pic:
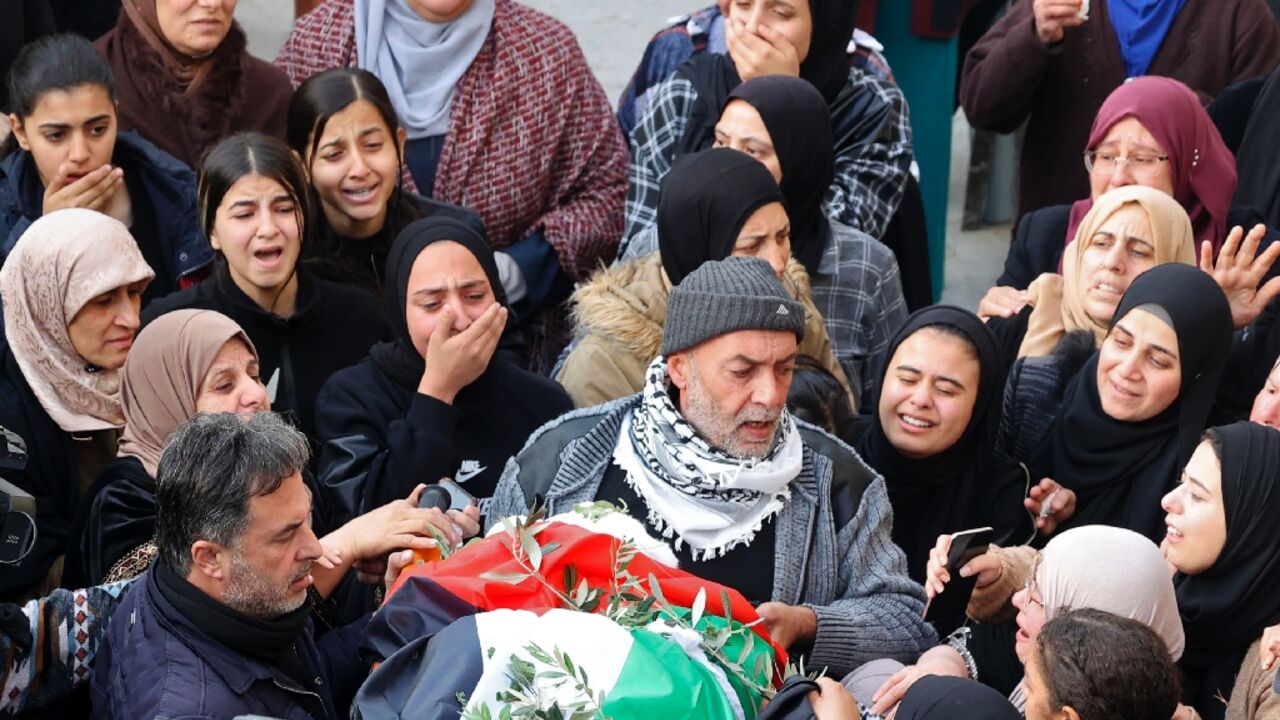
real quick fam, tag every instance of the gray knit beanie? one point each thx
(724, 296)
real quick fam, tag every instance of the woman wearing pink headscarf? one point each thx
(71, 290)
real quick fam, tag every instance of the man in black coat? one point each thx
(220, 625)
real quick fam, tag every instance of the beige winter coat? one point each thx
(1253, 697)
(621, 311)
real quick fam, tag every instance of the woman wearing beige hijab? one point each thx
(185, 362)
(1128, 231)
(71, 289)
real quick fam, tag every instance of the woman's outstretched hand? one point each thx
(1238, 270)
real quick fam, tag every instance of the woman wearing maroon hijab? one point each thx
(1150, 131)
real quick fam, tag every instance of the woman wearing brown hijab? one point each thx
(184, 79)
(71, 290)
(185, 362)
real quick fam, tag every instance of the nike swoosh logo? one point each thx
(464, 475)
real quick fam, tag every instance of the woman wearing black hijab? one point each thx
(929, 432)
(794, 117)
(716, 203)
(869, 119)
(438, 401)
(1222, 542)
(1118, 431)
(783, 122)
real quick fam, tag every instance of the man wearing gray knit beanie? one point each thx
(735, 318)
(707, 457)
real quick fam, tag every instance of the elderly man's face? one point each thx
(733, 388)
(271, 569)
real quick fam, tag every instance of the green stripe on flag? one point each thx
(753, 656)
(659, 680)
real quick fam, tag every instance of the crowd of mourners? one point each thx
(254, 310)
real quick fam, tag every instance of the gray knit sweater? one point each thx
(833, 551)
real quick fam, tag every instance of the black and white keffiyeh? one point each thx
(696, 493)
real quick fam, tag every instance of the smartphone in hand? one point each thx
(954, 598)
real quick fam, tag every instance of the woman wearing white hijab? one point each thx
(71, 290)
(1095, 566)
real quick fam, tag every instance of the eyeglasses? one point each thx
(1106, 162)
(1031, 592)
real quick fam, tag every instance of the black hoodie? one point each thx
(381, 437)
(361, 262)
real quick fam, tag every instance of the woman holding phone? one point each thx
(932, 431)
(1220, 556)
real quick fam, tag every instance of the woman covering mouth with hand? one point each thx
(441, 400)
(253, 203)
(67, 151)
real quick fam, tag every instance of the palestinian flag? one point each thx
(564, 614)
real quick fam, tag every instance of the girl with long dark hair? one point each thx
(344, 127)
(254, 207)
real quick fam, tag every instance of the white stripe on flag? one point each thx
(593, 641)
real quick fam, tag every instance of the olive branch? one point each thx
(629, 601)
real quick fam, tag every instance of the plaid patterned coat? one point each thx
(532, 141)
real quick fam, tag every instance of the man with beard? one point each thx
(220, 624)
(708, 457)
